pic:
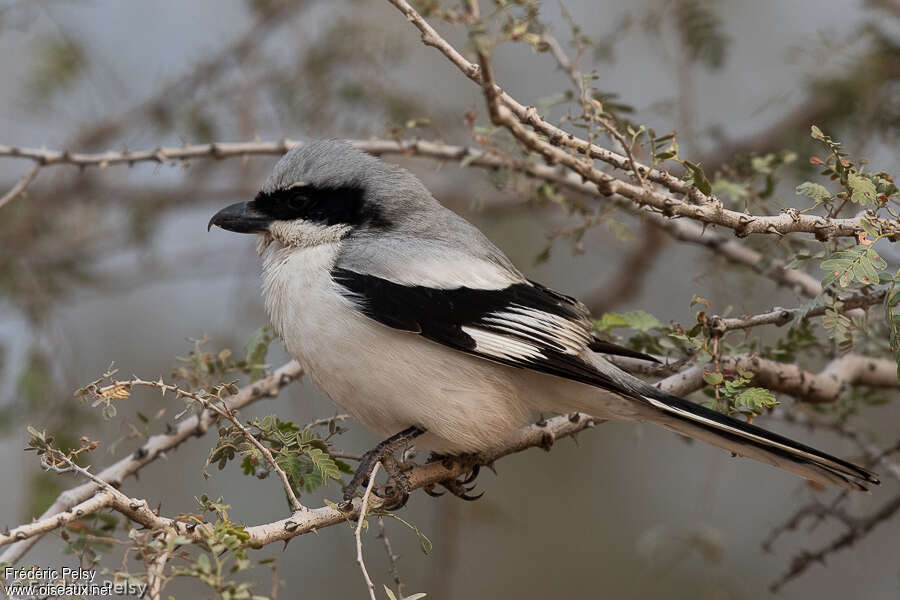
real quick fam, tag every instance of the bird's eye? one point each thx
(298, 202)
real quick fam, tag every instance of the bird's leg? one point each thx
(384, 452)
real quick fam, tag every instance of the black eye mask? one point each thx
(325, 206)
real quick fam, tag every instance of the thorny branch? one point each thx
(816, 512)
(224, 411)
(544, 434)
(555, 145)
(857, 528)
(680, 229)
(813, 388)
(82, 500)
(783, 316)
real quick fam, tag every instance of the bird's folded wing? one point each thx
(523, 325)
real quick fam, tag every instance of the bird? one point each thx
(409, 319)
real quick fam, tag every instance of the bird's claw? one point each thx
(459, 490)
(457, 487)
(472, 475)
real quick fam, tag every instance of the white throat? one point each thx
(306, 234)
(293, 278)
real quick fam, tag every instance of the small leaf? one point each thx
(699, 177)
(713, 378)
(610, 321)
(862, 188)
(755, 400)
(819, 193)
(640, 320)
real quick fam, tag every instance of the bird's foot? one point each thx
(459, 487)
(396, 490)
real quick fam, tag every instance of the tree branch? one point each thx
(814, 388)
(782, 316)
(156, 447)
(509, 113)
(358, 531)
(788, 378)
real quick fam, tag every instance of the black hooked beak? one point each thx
(241, 217)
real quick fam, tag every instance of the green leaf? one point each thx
(873, 230)
(862, 188)
(293, 467)
(755, 400)
(610, 321)
(699, 177)
(865, 272)
(324, 464)
(640, 320)
(203, 564)
(819, 193)
(256, 349)
(877, 262)
(713, 378)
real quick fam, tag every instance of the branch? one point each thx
(20, 186)
(848, 369)
(681, 229)
(359, 524)
(226, 412)
(814, 388)
(80, 498)
(392, 558)
(782, 316)
(857, 528)
(509, 113)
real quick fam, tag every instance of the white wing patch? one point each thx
(502, 346)
(561, 334)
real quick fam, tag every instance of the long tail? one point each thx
(748, 440)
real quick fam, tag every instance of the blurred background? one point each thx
(115, 264)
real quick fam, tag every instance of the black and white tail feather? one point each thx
(745, 439)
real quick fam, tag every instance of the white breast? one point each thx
(386, 378)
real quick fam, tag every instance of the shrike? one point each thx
(409, 319)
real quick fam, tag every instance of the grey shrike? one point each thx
(409, 319)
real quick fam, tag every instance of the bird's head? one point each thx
(323, 191)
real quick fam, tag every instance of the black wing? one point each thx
(524, 325)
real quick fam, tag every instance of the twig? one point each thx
(681, 229)
(156, 571)
(224, 411)
(858, 529)
(20, 186)
(541, 435)
(782, 316)
(83, 498)
(707, 209)
(574, 74)
(359, 524)
(821, 388)
(392, 558)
